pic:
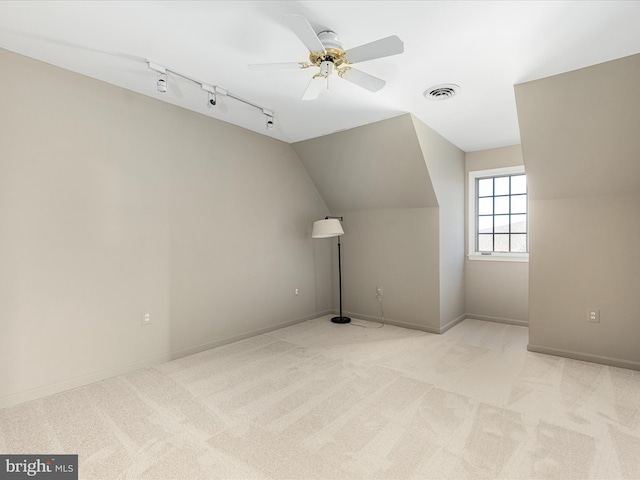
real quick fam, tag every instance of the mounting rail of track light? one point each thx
(212, 91)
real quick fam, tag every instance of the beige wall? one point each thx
(581, 151)
(495, 290)
(584, 256)
(445, 163)
(396, 249)
(401, 232)
(113, 204)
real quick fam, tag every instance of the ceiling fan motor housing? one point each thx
(328, 55)
(333, 51)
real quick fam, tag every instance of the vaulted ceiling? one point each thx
(484, 47)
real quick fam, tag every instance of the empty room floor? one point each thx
(320, 400)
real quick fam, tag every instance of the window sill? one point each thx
(523, 258)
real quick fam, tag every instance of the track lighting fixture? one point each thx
(212, 90)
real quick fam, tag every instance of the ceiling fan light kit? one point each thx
(326, 53)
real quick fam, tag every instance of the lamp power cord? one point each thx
(382, 319)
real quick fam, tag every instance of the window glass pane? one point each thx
(485, 206)
(518, 224)
(485, 224)
(501, 216)
(518, 184)
(502, 205)
(485, 187)
(502, 186)
(518, 204)
(519, 243)
(485, 243)
(501, 243)
(502, 223)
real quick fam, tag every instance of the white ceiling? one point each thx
(485, 47)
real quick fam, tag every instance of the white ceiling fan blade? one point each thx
(380, 48)
(364, 80)
(316, 85)
(305, 32)
(261, 67)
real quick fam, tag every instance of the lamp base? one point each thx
(340, 319)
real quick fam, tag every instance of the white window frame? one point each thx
(471, 227)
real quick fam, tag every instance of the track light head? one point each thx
(211, 94)
(162, 82)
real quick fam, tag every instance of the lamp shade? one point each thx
(329, 227)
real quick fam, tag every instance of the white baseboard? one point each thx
(322, 314)
(508, 321)
(46, 390)
(452, 323)
(585, 357)
(395, 323)
(442, 329)
(75, 382)
(411, 326)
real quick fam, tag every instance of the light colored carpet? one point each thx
(319, 400)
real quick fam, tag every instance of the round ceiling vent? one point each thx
(442, 92)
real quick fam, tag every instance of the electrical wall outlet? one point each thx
(296, 292)
(146, 318)
(593, 315)
(379, 291)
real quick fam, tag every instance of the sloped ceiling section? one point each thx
(439, 155)
(581, 131)
(377, 166)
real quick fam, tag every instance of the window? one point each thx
(498, 214)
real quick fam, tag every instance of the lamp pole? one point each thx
(327, 228)
(341, 318)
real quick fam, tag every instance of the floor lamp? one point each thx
(331, 227)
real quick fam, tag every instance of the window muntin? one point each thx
(501, 223)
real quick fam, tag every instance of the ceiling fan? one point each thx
(326, 52)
